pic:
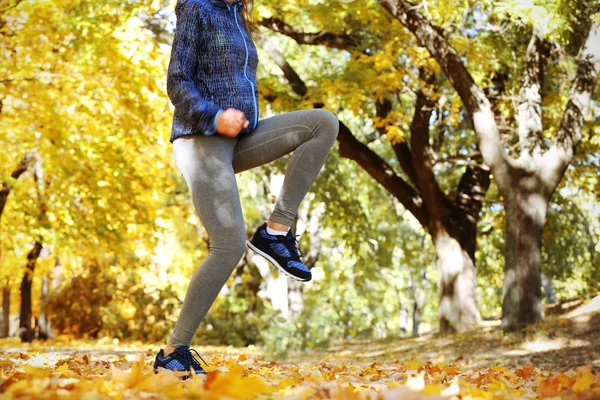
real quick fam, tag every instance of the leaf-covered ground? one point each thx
(560, 359)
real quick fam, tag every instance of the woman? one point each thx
(216, 134)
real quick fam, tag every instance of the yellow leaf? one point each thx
(413, 365)
(64, 369)
(583, 382)
(36, 371)
(433, 388)
(234, 385)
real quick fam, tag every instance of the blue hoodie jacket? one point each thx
(212, 67)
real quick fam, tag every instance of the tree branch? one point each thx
(433, 197)
(351, 148)
(569, 132)
(291, 75)
(339, 41)
(476, 103)
(17, 172)
(382, 108)
(529, 107)
(405, 159)
(9, 6)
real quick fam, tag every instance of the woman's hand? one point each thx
(230, 122)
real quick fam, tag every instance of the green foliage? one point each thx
(281, 336)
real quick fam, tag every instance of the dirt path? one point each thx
(562, 341)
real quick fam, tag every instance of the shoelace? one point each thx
(294, 244)
(190, 358)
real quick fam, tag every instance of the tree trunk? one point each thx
(43, 323)
(5, 189)
(522, 293)
(416, 320)
(458, 309)
(57, 274)
(5, 329)
(25, 330)
(403, 322)
(26, 333)
(418, 301)
(295, 298)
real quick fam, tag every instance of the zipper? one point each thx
(245, 62)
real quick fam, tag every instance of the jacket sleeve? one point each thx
(200, 112)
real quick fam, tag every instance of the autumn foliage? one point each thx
(41, 374)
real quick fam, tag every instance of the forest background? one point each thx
(453, 196)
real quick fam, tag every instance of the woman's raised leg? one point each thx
(310, 134)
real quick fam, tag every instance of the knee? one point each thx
(231, 248)
(329, 122)
(238, 248)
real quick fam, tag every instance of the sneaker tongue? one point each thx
(182, 349)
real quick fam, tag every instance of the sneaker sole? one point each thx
(269, 258)
(177, 373)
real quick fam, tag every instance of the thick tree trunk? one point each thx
(5, 329)
(25, 330)
(26, 333)
(457, 284)
(522, 294)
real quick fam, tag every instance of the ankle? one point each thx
(168, 350)
(277, 226)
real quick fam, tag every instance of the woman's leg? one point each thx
(206, 164)
(310, 134)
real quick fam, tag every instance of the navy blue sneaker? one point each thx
(282, 251)
(180, 362)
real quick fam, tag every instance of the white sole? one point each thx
(268, 257)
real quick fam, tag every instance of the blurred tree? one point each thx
(26, 331)
(5, 190)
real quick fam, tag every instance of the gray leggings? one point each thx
(209, 164)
